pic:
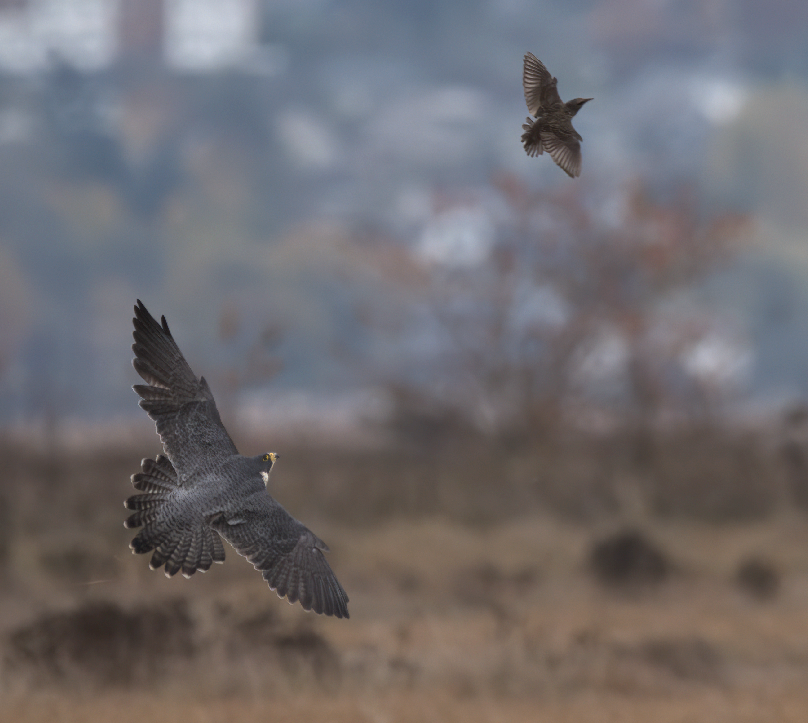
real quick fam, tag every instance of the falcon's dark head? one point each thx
(576, 104)
(265, 462)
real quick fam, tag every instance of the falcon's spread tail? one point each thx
(180, 542)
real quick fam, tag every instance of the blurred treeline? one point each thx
(563, 374)
(537, 347)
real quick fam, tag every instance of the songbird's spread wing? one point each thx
(539, 86)
(182, 406)
(565, 152)
(289, 555)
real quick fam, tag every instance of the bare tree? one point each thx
(566, 311)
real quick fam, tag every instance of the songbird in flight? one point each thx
(552, 129)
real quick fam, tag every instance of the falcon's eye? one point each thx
(266, 458)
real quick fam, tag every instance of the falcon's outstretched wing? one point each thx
(182, 406)
(539, 86)
(288, 553)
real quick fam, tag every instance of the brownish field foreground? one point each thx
(499, 619)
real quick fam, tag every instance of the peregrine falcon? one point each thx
(552, 129)
(202, 488)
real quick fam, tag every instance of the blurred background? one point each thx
(552, 412)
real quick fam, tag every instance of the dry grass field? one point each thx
(487, 614)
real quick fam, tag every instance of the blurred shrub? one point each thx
(758, 578)
(691, 659)
(102, 644)
(628, 559)
(298, 652)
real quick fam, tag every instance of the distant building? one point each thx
(141, 27)
(203, 35)
(90, 35)
(81, 33)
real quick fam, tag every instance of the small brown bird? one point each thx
(552, 130)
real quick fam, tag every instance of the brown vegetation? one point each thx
(628, 559)
(471, 590)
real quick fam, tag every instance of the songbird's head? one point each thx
(576, 104)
